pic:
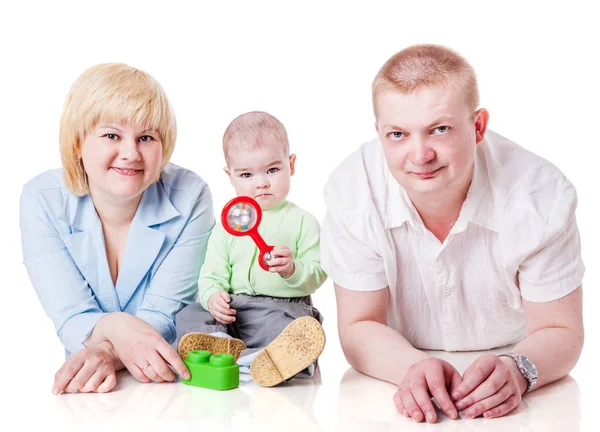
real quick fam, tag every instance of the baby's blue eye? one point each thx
(272, 170)
(245, 175)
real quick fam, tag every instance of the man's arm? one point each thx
(370, 346)
(554, 336)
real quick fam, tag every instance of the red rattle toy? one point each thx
(241, 216)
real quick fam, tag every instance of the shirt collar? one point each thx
(155, 208)
(478, 207)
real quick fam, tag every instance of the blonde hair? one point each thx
(115, 93)
(421, 66)
(254, 130)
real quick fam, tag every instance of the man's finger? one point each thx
(437, 388)
(490, 386)
(472, 378)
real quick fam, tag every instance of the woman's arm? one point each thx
(175, 283)
(63, 292)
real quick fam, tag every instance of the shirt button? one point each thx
(447, 293)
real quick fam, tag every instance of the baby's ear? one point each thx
(292, 164)
(228, 172)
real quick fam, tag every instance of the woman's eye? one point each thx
(111, 136)
(146, 138)
(272, 170)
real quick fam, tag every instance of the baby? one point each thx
(264, 318)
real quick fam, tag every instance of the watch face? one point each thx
(529, 367)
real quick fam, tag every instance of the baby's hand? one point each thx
(218, 306)
(282, 262)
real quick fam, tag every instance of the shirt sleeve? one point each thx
(348, 253)
(66, 297)
(308, 274)
(555, 268)
(215, 274)
(175, 283)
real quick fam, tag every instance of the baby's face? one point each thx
(263, 174)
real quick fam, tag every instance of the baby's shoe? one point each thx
(214, 344)
(298, 346)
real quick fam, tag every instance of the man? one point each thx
(441, 235)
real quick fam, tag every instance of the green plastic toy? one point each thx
(213, 371)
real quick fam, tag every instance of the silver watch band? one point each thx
(530, 377)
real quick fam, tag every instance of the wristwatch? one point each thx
(526, 367)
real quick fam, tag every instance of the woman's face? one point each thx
(121, 160)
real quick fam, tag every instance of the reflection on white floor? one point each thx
(337, 399)
(361, 404)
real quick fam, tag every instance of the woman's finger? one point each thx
(151, 373)
(136, 371)
(108, 384)
(161, 368)
(82, 377)
(94, 381)
(173, 359)
(66, 373)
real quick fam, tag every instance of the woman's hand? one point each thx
(491, 386)
(428, 378)
(141, 349)
(89, 370)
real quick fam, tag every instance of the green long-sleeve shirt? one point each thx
(231, 262)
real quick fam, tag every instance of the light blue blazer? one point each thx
(65, 255)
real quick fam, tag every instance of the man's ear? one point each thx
(482, 117)
(292, 164)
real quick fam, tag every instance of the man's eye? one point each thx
(441, 130)
(396, 135)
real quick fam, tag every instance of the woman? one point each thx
(113, 242)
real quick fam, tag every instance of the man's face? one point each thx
(429, 138)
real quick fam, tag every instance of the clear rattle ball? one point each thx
(242, 217)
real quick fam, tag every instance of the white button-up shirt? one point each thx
(516, 237)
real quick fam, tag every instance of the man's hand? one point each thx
(491, 386)
(427, 378)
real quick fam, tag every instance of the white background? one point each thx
(311, 65)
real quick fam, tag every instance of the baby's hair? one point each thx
(421, 66)
(253, 130)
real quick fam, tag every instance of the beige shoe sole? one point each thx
(298, 346)
(216, 345)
